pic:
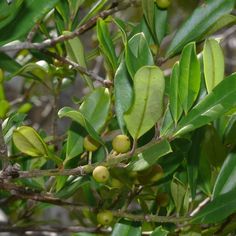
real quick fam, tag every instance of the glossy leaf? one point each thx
(175, 106)
(38, 70)
(224, 182)
(74, 145)
(126, 228)
(8, 64)
(193, 161)
(156, 19)
(8, 12)
(218, 209)
(106, 44)
(198, 23)
(28, 141)
(150, 156)
(213, 60)
(123, 94)
(211, 107)
(147, 108)
(159, 231)
(178, 191)
(96, 107)
(189, 77)
(213, 147)
(137, 50)
(79, 118)
(30, 13)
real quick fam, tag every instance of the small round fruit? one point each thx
(163, 199)
(121, 143)
(115, 183)
(163, 3)
(105, 217)
(101, 174)
(90, 144)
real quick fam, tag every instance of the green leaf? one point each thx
(93, 11)
(217, 210)
(30, 13)
(213, 60)
(159, 231)
(224, 182)
(74, 145)
(96, 107)
(175, 106)
(123, 94)
(178, 191)
(193, 161)
(106, 44)
(225, 20)
(150, 156)
(8, 12)
(156, 19)
(127, 228)
(211, 107)
(147, 108)
(28, 141)
(198, 23)
(38, 70)
(213, 147)
(8, 64)
(137, 54)
(189, 77)
(71, 187)
(79, 118)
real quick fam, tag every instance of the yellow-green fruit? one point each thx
(1, 75)
(163, 199)
(115, 183)
(90, 144)
(101, 174)
(105, 217)
(121, 143)
(4, 108)
(163, 3)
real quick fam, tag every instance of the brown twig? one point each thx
(3, 149)
(51, 42)
(55, 229)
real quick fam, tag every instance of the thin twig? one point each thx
(51, 42)
(3, 149)
(80, 170)
(55, 229)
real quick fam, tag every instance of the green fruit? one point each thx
(163, 199)
(115, 183)
(90, 144)
(101, 174)
(105, 217)
(121, 143)
(163, 3)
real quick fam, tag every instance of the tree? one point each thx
(147, 145)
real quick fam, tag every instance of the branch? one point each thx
(51, 42)
(111, 161)
(56, 229)
(3, 149)
(81, 69)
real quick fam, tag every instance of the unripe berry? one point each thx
(121, 143)
(105, 217)
(163, 3)
(90, 144)
(101, 174)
